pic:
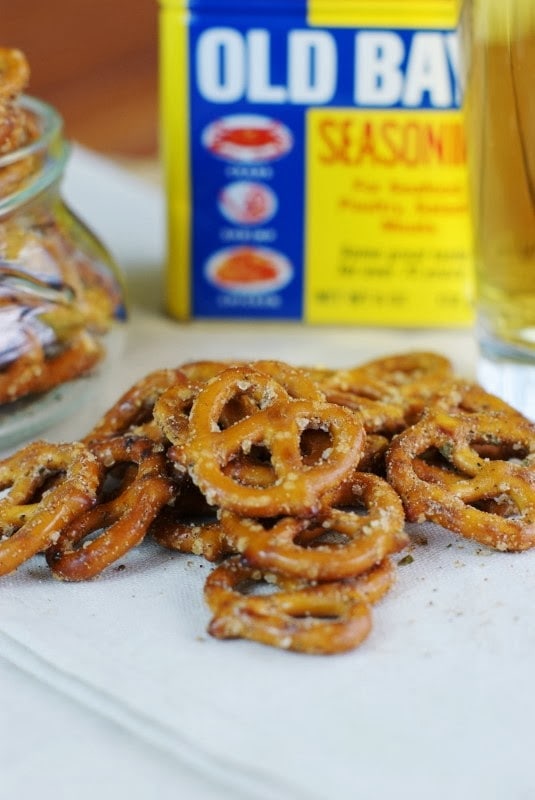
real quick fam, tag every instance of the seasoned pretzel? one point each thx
(323, 619)
(378, 416)
(353, 381)
(14, 72)
(49, 486)
(296, 381)
(202, 371)
(122, 520)
(200, 537)
(133, 411)
(34, 372)
(277, 424)
(470, 397)
(411, 373)
(65, 297)
(171, 413)
(172, 410)
(388, 376)
(373, 456)
(18, 127)
(297, 547)
(437, 468)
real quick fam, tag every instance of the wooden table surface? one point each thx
(96, 61)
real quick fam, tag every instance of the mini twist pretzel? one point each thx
(202, 371)
(390, 377)
(277, 424)
(172, 410)
(171, 414)
(411, 373)
(378, 416)
(123, 520)
(296, 547)
(323, 619)
(470, 397)
(455, 492)
(49, 486)
(34, 372)
(14, 72)
(198, 537)
(297, 382)
(133, 412)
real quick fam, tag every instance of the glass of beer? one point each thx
(499, 45)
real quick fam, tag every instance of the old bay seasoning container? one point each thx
(315, 161)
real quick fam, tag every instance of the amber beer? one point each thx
(501, 143)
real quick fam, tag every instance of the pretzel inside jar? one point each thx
(60, 292)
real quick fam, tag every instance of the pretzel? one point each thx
(297, 383)
(277, 424)
(171, 414)
(124, 519)
(204, 537)
(296, 546)
(373, 456)
(378, 416)
(437, 468)
(172, 410)
(470, 397)
(411, 373)
(65, 296)
(322, 619)
(14, 72)
(204, 370)
(49, 485)
(133, 411)
(374, 378)
(18, 126)
(35, 372)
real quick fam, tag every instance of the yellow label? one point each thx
(388, 233)
(384, 13)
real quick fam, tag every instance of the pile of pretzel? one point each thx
(294, 481)
(55, 304)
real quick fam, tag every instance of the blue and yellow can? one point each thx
(315, 161)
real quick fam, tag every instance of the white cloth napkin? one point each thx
(438, 702)
(438, 698)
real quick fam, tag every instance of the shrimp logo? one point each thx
(247, 203)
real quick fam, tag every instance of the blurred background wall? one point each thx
(96, 62)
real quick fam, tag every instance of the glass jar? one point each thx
(62, 308)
